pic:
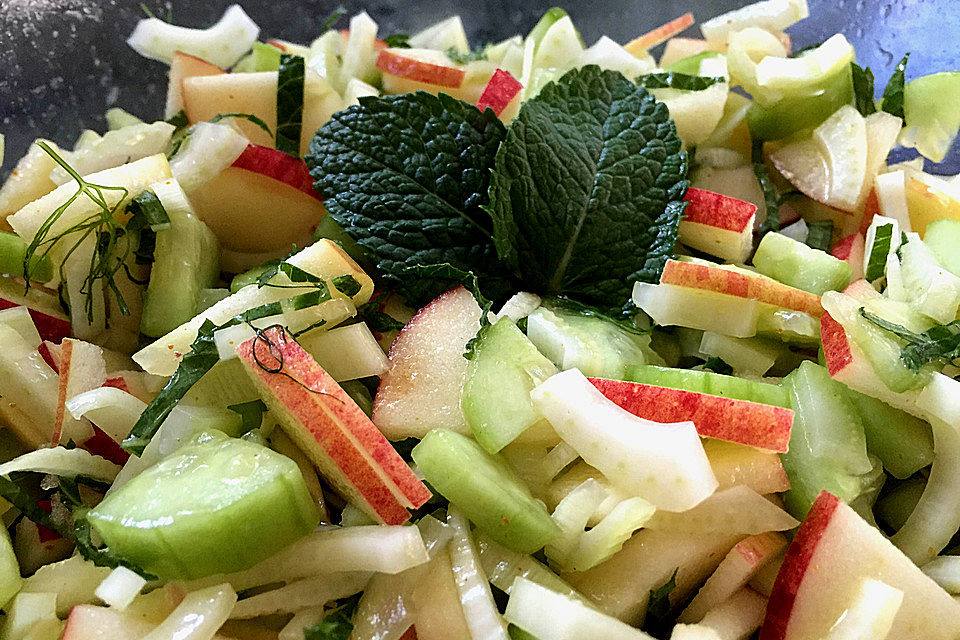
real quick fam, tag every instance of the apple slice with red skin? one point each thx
(717, 224)
(330, 428)
(421, 389)
(750, 423)
(397, 63)
(184, 66)
(639, 45)
(850, 249)
(263, 201)
(738, 283)
(81, 368)
(833, 550)
(52, 324)
(501, 90)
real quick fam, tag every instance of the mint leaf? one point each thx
(586, 194)
(407, 177)
(673, 80)
(717, 365)
(289, 103)
(770, 197)
(938, 342)
(397, 41)
(863, 83)
(251, 414)
(892, 100)
(820, 235)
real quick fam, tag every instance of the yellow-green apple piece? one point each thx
(330, 428)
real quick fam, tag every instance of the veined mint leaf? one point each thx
(587, 191)
(407, 177)
(892, 100)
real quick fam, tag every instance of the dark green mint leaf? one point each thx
(672, 80)
(347, 285)
(770, 198)
(587, 192)
(331, 20)
(863, 89)
(251, 414)
(658, 609)
(941, 342)
(398, 41)
(289, 103)
(378, 321)
(179, 119)
(892, 101)
(336, 626)
(407, 177)
(717, 365)
(246, 116)
(820, 235)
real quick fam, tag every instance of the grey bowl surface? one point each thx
(66, 61)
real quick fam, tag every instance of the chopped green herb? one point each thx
(147, 217)
(331, 20)
(337, 625)
(658, 609)
(941, 342)
(820, 234)
(378, 321)
(770, 198)
(672, 80)
(877, 262)
(251, 414)
(398, 41)
(179, 119)
(290, 103)
(460, 57)
(347, 285)
(892, 100)
(717, 365)
(863, 88)
(406, 176)
(246, 116)
(588, 185)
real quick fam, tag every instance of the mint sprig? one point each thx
(587, 190)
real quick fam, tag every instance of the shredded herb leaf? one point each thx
(289, 103)
(147, 217)
(406, 176)
(337, 625)
(877, 263)
(460, 57)
(378, 321)
(331, 20)
(179, 120)
(820, 234)
(863, 88)
(658, 609)
(398, 41)
(587, 191)
(347, 285)
(770, 198)
(672, 80)
(247, 116)
(251, 414)
(717, 365)
(941, 342)
(892, 100)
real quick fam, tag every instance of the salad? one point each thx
(390, 337)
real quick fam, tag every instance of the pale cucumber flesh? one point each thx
(485, 489)
(797, 265)
(504, 368)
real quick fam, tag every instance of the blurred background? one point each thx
(66, 61)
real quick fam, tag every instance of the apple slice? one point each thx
(678, 48)
(834, 550)
(671, 305)
(621, 586)
(740, 283)
(757, 425)
(182, 67)
(421, 65)
(81, 369)
(719, 225)
(264, 201)
(330, 428)
(500, 92)
(421, 389)
(739, 509)
(850, 249)
(736, 464)
(664, 464)
(736, 618)
(735, 571)
(639, 45)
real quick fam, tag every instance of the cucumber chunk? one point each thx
(828, 448)
(806, 111)
(185, 262)
(13, 251)
(930, 112)
(715, 384)
(505, 367)
(903, 442)
(573, 339)
(795, 264)
(215, 505)
(943, 238)
(551, 17)
(486, 490)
